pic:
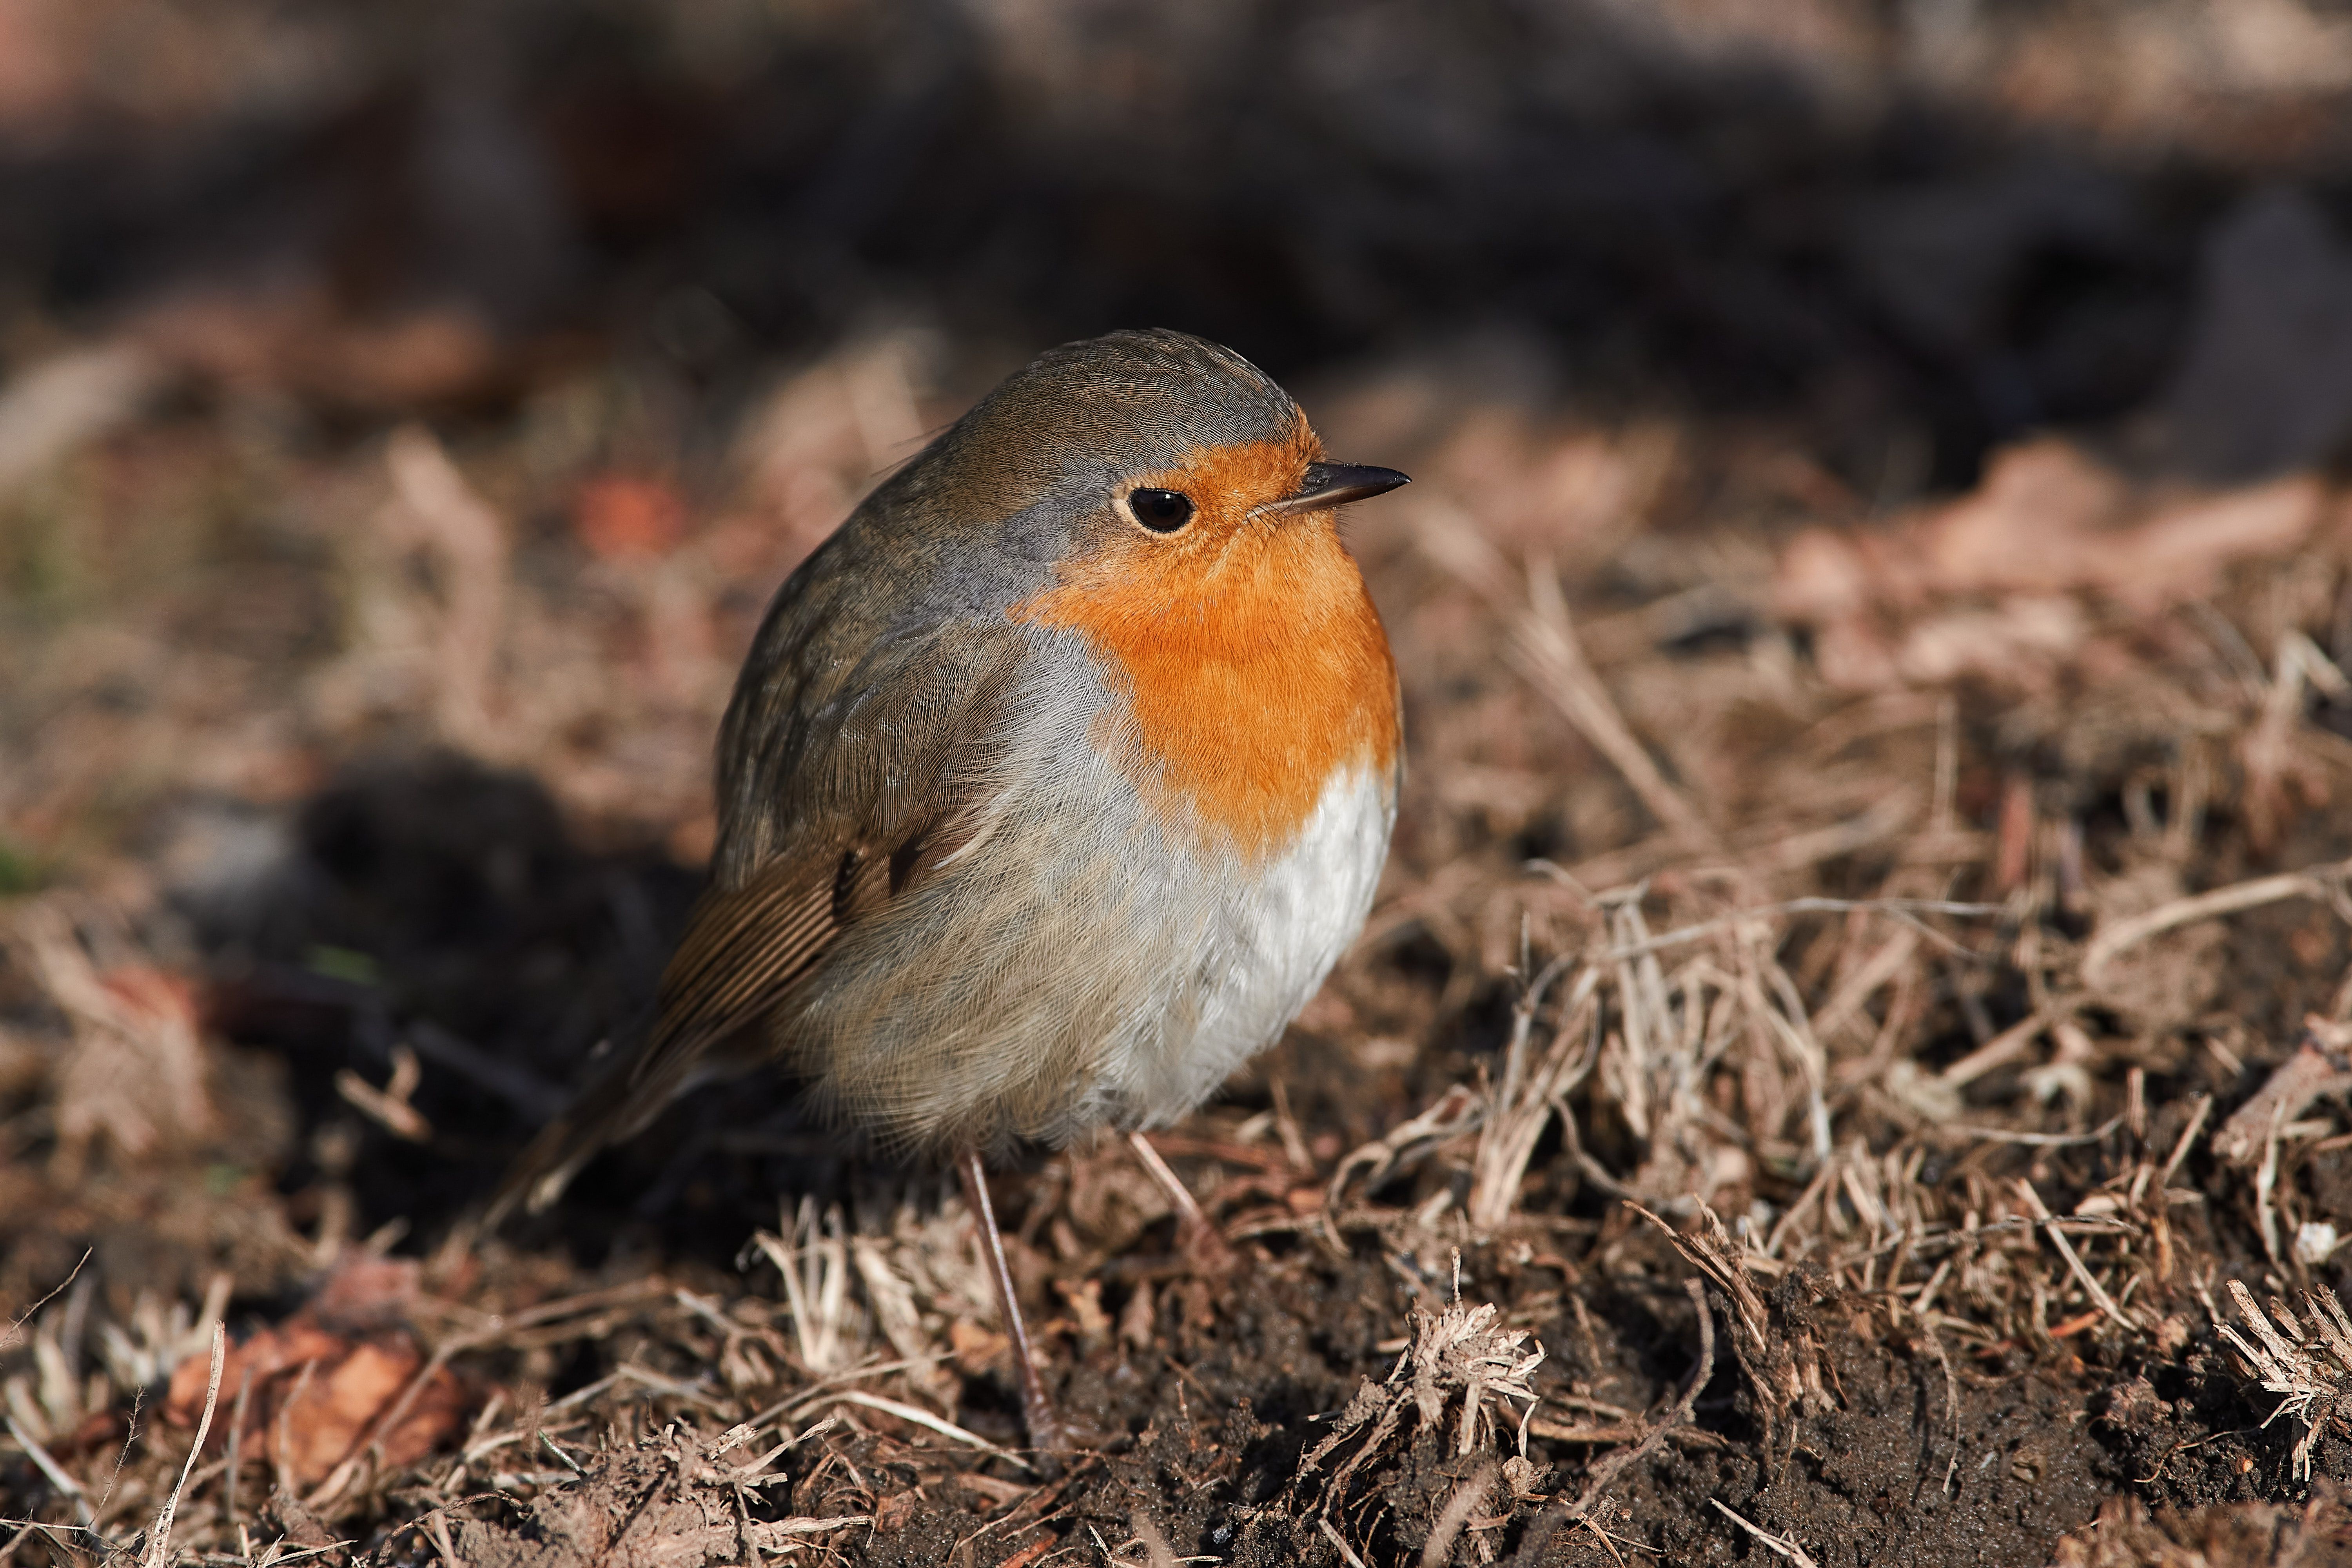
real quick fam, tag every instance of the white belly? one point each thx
(1252, 952)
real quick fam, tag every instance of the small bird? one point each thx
(1054, 785)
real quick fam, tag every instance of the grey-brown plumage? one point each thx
(973, 885)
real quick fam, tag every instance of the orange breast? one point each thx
(1254, 658)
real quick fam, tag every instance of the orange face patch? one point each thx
(1253, 657)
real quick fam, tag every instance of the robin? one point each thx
(1054, 783)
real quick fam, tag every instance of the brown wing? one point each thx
(876, 781)
(742, 950)
(745, 949)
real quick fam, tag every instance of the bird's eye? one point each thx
(1162, 511)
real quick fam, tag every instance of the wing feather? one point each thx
(742, 950)
(878, 792)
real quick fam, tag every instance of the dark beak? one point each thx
(1328, 485)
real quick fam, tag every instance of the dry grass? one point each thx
(1747, 1007)
(1781, 1001)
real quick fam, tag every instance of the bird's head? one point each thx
(1152, 463)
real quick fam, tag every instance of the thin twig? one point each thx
(158, 1538)
(490, 1332)
(815, 1394)
(2040, 1140)
(945, 1428)
(2001, 1049)
(1456, 1514)
(235, 1447)
(1951, 1384)
(129, 1437)
(2099, 1297)
(2235, 899)
(570, 1463)
(753, 1467)
(1780, 1543)
(436, 1525)
(1347, 1552)
(25, 1316)
(2266, 1182)
(2187, 1137)
(1544, 646)
(1682, 935)
(578, 1395)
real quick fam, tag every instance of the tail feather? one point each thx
(618, 1104)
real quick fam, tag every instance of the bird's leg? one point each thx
(1201, 1243)
(1036, 1409)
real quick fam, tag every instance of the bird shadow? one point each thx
(437, 961)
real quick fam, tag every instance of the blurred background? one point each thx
(405, 412)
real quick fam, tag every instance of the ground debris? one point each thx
(1774, 1336)
(2318, 1065)
(1459, 1352)
(2310, 1366)
(341, 1371)
(2314, 1534)
(672, 1499)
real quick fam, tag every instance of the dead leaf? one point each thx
(619, 517)
(2055, 538)
(289, 1345)
(891, 1514)
(359, 1362)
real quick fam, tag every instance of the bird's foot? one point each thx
(1051, 1441)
